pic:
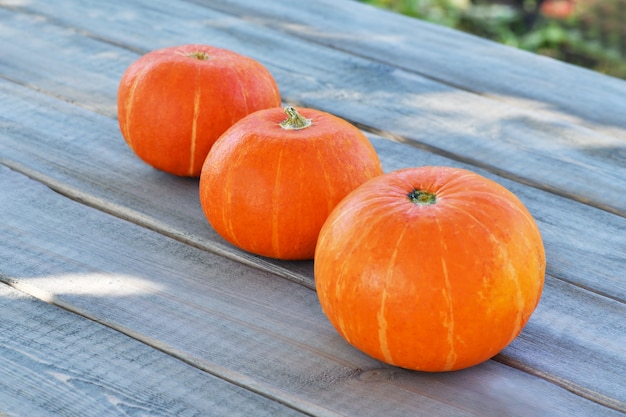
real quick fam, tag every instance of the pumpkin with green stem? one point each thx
(173, 103)
(431, 269)
(271, 180)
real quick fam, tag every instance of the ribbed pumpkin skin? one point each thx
(268, 190)
(172, 106)
(434, 287)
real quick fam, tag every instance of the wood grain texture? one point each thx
(113, 189)
(577, 262)
(227, 313)
(82, 154)
(54, 362)
(264, 333)
(560, 90)
(525, 144)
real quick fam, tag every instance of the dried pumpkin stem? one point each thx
(294, 121)
(199, 55)
(422, 198)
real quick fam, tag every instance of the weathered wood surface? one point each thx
(524, 80)
(254, 329)
(94, 73)
(53, 362)
(527, 146)
(156, 272)
(40, 147)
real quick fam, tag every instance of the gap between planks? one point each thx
(168, 231)
(130, 215)
(227, 375)
(363, 126)
(412, 142)
(477, 163)
(254, 262)
(135, 217)
(561, 382)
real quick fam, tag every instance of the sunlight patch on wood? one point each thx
(94, 285)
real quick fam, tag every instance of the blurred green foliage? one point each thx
(593, 36)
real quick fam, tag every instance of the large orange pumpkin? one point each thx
(174, 103)
(270, 181)
(431, 269)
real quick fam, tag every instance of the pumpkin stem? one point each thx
(295, 121)
(199, 55)
(422, 198)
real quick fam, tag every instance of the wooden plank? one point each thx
(556, 228)
(50, 65)
(545, 85)
(54, 362)
(616, 253)
(557, 319)
(82, 154)
(526, 145)
(265, 333)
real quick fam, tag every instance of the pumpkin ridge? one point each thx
(227, 218)
(461, 209)
(511, 273)
(383, 329)
(327, 179)
(517, 207)
(492, 237)
(455, 181)
(128, 104)
(501, 194)
(275, 203)
(194, 129)
(243, 92)
(447, 295)
(520, 305)
(382, 320)
(342, 280)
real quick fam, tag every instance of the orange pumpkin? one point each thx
(431, 269)
(270, 181)
(174, 103)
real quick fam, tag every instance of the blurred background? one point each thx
(588, 33)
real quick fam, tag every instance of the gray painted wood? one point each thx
(155, 272)
(563, 156)
(250, 328)
(85, 57)
(544, 85)
(54, 362)
(90, 162)
(113, 190)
